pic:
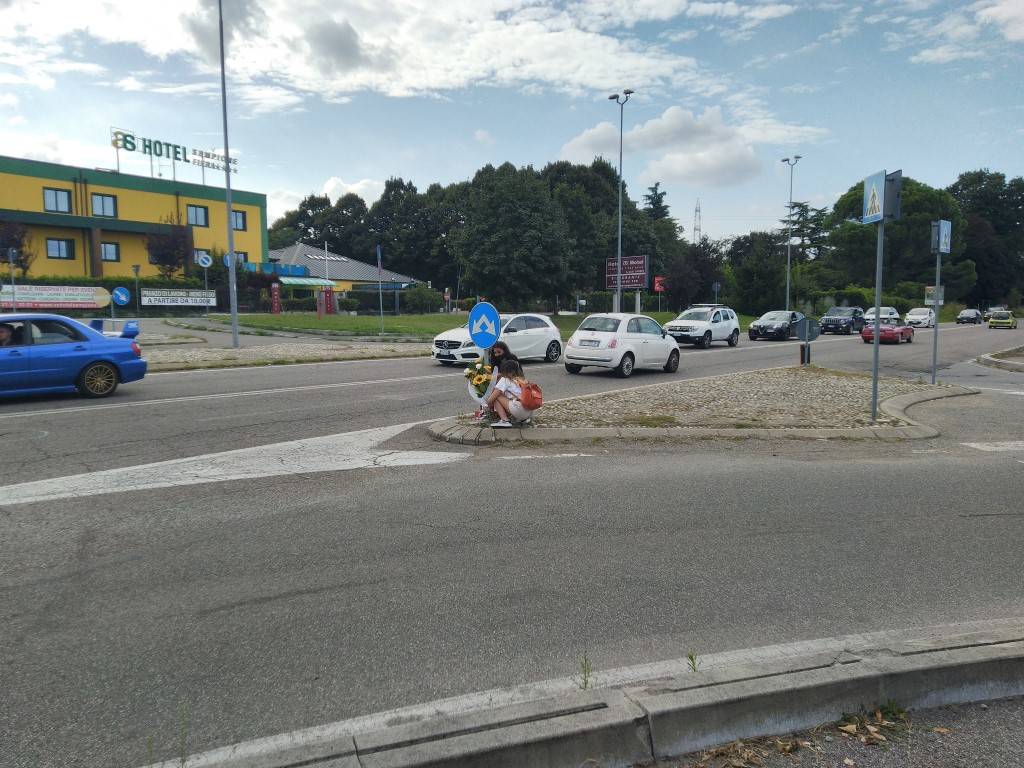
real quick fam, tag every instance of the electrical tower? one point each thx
(696, 223)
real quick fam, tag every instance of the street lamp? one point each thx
(232, 272)
(617, 304)
(138, 311)
(789, 240)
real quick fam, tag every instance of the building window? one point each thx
(197, 253)
(56, 200)
(198, 216)
(241, 257)
(238, 221)
(60, 249)
(110, 251)
(104, 205)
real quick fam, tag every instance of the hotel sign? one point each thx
(130, 142)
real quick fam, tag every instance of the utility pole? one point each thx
(617, 304)
(232, 272)
(789, 230)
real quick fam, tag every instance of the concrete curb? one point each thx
(663, 709)
(453, 431)
(1007, 365)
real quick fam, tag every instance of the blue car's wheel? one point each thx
(98, 380)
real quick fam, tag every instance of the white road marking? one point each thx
(1003, 445)
(331, 453)
(545, 456)
(224, 395)
(993, 389)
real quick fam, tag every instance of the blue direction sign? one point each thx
(945, 235)
(874, 198)
(120, 296)
(484, 325)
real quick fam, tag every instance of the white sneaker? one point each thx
(501, 424)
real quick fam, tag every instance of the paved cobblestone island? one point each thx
(785, 397)
(274, 354)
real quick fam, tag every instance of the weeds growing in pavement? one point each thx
(692, 661)
(183, 729)
(586, 672)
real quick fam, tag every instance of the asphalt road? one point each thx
(226, 611)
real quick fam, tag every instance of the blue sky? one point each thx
(338, 96)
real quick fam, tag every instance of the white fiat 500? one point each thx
(621, 342)
(528, 336)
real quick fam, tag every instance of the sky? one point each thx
(330, 97)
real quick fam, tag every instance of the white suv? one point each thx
(702, 324)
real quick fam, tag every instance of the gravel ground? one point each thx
(274, 354)
(786, 397)
(963, 736)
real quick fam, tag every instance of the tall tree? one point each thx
(759, 265)
(654, 202)
(304, 223)
(15, 235)
(169, 249)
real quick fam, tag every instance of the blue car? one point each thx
(45, 354)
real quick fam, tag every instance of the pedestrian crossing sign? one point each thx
(874, 198)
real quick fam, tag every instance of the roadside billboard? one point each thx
(55, 297)
(174, 297)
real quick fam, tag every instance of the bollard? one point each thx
(805, 354)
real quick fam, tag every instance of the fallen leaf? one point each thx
(871, 729)
(806, 744)
(878, 716)
(851, 728)
(785, 747)
(848, 762)
(940, 729)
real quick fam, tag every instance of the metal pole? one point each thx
(380, 289)
(789, 234)
(206, 287)
(618, 256)
(14, 290)
(327, 274)
(138, 306)
(232, 281)
(935, 306)
(878, 320)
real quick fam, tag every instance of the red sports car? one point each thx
(891, 333)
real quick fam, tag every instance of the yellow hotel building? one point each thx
(92, 222)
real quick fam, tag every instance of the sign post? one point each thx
(14, 290)
(942, 238)
(380, 289)
(716, 287)
(275, 298)
(138, 309)
(484, 328)
(881, 201)
(119, 297)
(205, 261)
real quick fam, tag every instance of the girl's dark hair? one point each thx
(511, 369)
(506, 352)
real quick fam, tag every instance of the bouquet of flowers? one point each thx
(479, 376)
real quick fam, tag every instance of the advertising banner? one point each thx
(55, 297)
(275, 298)
(634, 272)
(174, 297)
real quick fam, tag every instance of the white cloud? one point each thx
(368, 189)
(679, 35)
(1008, 15)
(8, 100)
(16, 120)
(483, 137)
(717, 166)
(801, 88)
(943, 54)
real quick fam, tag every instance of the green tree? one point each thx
(421, 299)
(15, 235)
(303, 223)
(759, 264)
(169, 250)
(654, 203)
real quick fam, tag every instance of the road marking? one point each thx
(545, 456)
(223, 395)
(1003, 391)
(1003, 445)
(331, 453)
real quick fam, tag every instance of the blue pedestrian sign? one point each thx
(484, 325)
(945, 235)
(120, 296)
(874, 198)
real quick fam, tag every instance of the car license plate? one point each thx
(590, 343)
(445, 356)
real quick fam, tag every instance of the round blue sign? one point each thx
(484, 325)
(120, 296)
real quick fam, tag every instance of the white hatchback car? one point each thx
(921, 317)
(622, 342)
(702, 324)
(528, 336)
(888, 314)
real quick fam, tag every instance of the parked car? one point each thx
(621, 342)
(970, 316)
(994, 308)
(889, 333)
(529, 336)
(920, 317)
(1002, 319)
(778, 324)
(843, 320)
(48, 354)
(887, 313)
(702, 324)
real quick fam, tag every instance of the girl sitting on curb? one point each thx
(505, 397)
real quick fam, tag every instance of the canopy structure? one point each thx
(307, 282)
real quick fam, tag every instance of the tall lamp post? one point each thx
(789, 230)
(232, 275)
(617, 307)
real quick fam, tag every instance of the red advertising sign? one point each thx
(659, 283)
(634, 272)
(329, 300)
(275, 298)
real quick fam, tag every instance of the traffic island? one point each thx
(807, 402)
(1007, 360)
(275, 354)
